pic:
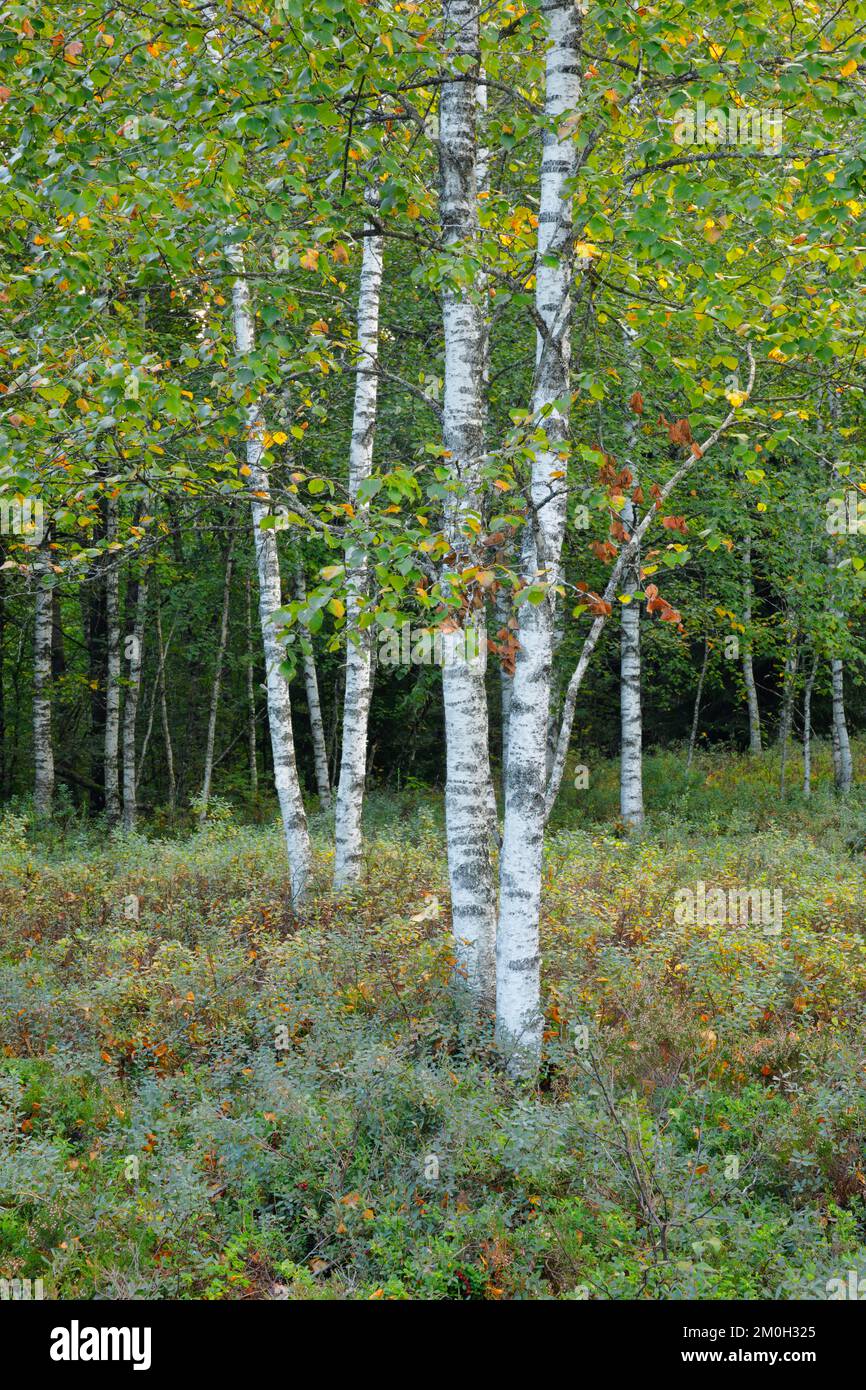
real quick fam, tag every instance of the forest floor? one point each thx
(212, 1100)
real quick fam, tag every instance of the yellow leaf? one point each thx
(849, 69)
(280, 437)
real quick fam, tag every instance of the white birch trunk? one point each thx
(43, 753)
(842, 764)
(359, 664)
(215, 692)
(631, 717)
(112, 674)
(135, 642)
(288, 788)
(518, 1007)
(292, 813)
(468, 788)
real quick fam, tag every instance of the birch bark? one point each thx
(292, 813)
(294, 817)
(843, 771)
(631, 717)
(135, 645)
(359, 664)
(468, 787)
(843, 767)
(518, 1007)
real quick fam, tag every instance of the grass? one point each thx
(202, 1098)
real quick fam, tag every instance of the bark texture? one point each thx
(359, 663)
(468, 789)
(288, 787)
(518, 1007)
(137, 599)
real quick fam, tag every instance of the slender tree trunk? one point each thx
(137, 599)
(359, 667)
(112, 672)
(314, 705)
(788, 683)
(843, 767)
(748, 668)
(518, 1004)
(292, 813)
(251, 696)
(843, 771)
(43, 754)
(163, 710)
(467, 787)
(93, 625)
(631, 717)
(215, 690)
(693, 737)
(807, 727)
(288, 787)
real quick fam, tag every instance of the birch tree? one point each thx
(137, 598)
(468, 786)
(251, 694)
(359, 667)
(518, 1012)
(286, 781)
(294, 817)
(631, 719)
